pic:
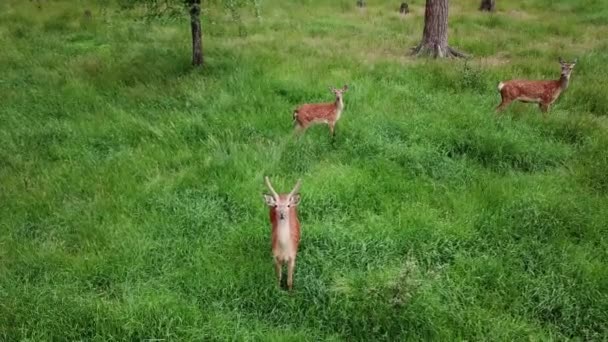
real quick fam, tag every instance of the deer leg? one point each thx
(277, 270)
(544, 108)
(298, 129)
(332, 129)
(290, 267)
(503, 104)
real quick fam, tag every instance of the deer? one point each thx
(545, 93)
(285, 234)
(314, 113)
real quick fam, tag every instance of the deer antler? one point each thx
(274, 193)
(296, 188)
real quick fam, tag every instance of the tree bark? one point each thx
(195, 24)
(487, 5)
(435, 36)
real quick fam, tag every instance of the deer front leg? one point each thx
(277, 270)
(332, 129)
(290, 267)
(544, 108)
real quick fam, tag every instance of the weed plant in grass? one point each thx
(130, 183)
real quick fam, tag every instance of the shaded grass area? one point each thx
(131, 184)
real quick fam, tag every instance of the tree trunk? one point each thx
(435, 36)
(195, 24)
(487, 5)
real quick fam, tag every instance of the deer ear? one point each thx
(575, 60)
(270, 201)
(561, 60)
(295, 199)
(345, 88)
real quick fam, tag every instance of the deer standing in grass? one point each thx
(285, 229)
(542, 92)
(313, 113)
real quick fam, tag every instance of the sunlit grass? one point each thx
(130, 183)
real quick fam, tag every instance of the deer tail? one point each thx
(500, 86)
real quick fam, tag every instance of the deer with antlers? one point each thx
(314, 113)
(285, 229)
(545, 93)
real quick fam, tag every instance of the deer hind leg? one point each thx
(503, 104)
(278, 270)
(298, 128)
(290, 267)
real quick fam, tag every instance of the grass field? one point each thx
(130, 183)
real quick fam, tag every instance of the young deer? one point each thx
(542, 92)
(285, 229)
(312, 113)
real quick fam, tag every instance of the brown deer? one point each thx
(313, 113)
(542, 92)
(285, 229)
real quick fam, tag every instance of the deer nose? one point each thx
(282, 216)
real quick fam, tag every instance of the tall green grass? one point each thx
(130, 183)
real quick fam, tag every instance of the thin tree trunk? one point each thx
(435, 36)
(197, 40)
(487, 5)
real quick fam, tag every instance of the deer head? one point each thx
(567, 67)
(339, 92)
(282, 203)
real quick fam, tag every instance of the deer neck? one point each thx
(284, 233)
(564, 81)
(339, 103)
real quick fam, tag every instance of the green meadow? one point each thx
(131, 183)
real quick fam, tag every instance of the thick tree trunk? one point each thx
(195, 24)
(487, 5)
(435, 36)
